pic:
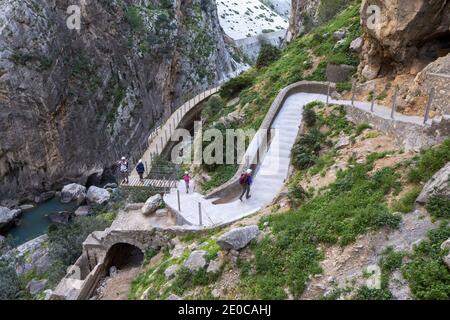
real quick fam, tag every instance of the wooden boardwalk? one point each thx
(135, 182)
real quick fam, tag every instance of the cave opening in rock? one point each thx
(123, 256)
(434, 47)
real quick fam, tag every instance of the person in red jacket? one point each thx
(187, 180)
(246, 181)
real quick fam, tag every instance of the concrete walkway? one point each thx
(273, 171)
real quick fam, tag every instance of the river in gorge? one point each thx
(35, 222)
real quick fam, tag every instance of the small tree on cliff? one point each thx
(267, 55)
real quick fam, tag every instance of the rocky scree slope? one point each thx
(71, 102)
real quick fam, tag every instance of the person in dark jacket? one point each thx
(140, 168)
(246, 181)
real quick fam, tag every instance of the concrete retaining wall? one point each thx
(232, 188)
(251, 46)
(409, 136)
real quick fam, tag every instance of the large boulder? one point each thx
(439, 184)
(44, 196)
(151, 205)
(446, 244)
(371, 70)
(339, 35)
(97, 195)
(83, 211)
(73, 192)
(196, 261)
(62, 217)
(344, 141)
(31, 256)
(447, 260)
(339, 73)
(8, 217)
(357, 44)
(36, 286)
(238, 238)
(171, 271)
(215, 265)
(26, 207)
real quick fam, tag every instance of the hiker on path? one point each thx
(140, 169)
(246, 181)
(123, 168)
(187, 180)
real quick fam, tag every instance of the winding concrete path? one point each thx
(273, 171)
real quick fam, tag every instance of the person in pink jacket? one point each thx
(187, 180)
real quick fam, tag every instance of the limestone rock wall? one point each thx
(436, 75)
(303, 17)
(72, 101)
(403, 34)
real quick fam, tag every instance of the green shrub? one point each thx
(314, 104)
(65, 242)
(429, 162)
(219, 176)
(297, 195)
(9, 282)
(134, 18)
(439, 206)
(213, 107)
(352, 205)
(390, 261)
(232, 88)
(365, 293)
(361, 128)
(329, 8)
(426, 273)
(406, 203)
(306, 149)
(309, 117)
(343, 86)
(267, 55)
(186, 279)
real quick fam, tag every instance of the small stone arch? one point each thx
(123, 255)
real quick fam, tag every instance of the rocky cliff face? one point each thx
(407, 34)
(71, 101)
(303, 17)
(307, 14)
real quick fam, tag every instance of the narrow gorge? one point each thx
(331, 117)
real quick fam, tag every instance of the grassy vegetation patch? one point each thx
(406, 203)
(426, 273)
(219, 176)
(439, 206)
(429, 162)
(354, 204)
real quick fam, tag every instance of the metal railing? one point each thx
(426, 115)
(202, 212)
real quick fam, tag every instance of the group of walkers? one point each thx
(245, 180)
(124, 168)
